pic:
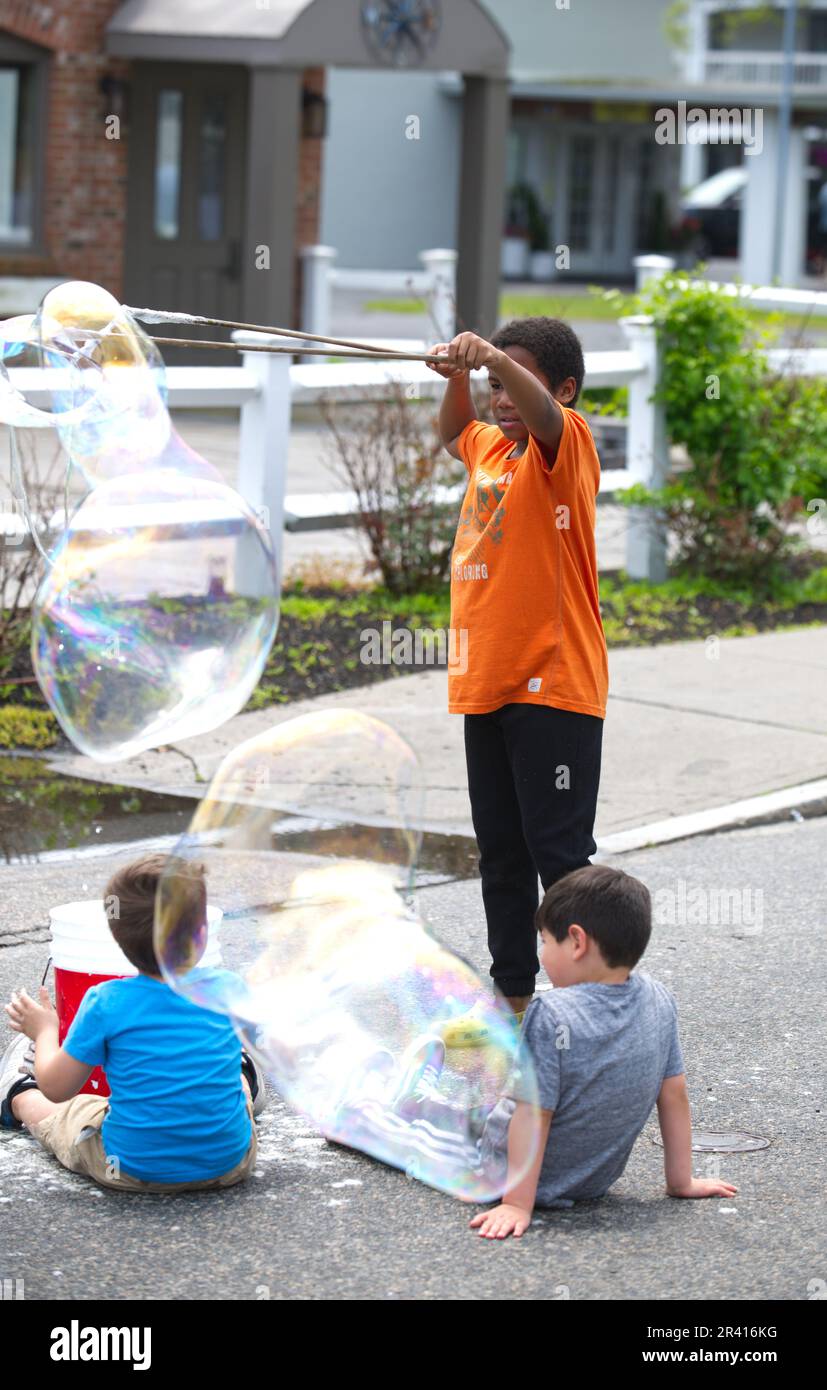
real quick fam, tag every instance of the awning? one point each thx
(297, 34)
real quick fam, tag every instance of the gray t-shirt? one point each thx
(600, 1054)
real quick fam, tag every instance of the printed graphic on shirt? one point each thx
(484, 512)
(535, 683)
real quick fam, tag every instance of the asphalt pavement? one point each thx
(317, 1222)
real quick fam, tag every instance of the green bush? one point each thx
(756, 441)
(27, 728)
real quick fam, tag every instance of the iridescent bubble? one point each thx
(115, 366)
(22, 345)
(154, 622)
(309, 836)
(106, 382)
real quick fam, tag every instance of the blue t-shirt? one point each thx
(178, 1111)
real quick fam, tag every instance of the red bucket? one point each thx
(85, 953)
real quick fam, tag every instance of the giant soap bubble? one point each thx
(106, 381)
(160, 603)
(155, 619)
(308, 834)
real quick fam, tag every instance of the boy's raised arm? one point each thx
(457, 409)
(529, 1127)
(676, 1130)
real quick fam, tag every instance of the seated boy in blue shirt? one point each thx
(183, 1095)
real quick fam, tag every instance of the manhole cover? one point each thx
(712, 1141)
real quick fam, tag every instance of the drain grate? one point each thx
(712, 1141)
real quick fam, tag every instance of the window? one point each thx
(18, 157)
(168, 134)
(211, 152)
(581, 191)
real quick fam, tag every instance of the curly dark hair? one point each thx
(553, 344)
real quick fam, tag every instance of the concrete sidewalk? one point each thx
(690, 726)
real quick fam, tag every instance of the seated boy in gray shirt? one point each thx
(604, 1048)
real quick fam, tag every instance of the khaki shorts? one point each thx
(73, 1135)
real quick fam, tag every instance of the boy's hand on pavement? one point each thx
(704, 1187)
(501, 1222)
(27, 1016)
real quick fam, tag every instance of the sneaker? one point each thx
(255, 1080)
(422, 1065)
(370, 1079)
(473, 1029)
(16, 1075)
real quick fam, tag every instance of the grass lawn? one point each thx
(599, 307)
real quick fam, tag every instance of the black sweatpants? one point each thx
(533, 774)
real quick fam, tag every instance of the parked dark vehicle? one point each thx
(711, 214)
(711, 218)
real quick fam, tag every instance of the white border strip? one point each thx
(700, 822)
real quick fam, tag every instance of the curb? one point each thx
(807, 799)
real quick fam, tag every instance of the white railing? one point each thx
(265, 388)
(436, 283)
(755, 67)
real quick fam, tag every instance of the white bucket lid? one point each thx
(82, 941)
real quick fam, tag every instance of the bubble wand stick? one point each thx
(170, 316)
(368, 355)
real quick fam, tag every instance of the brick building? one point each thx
(173, 151)
(71, 130)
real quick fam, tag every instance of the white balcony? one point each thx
(766, 69)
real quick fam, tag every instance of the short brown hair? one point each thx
(612, 907)
(130, 905)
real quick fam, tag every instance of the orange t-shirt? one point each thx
(525, 614)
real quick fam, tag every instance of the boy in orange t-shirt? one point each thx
(533, 679)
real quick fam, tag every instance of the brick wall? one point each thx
(85, 173)
(84, 204)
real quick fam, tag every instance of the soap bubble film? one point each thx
(156, 617)
(160, 601)
(309, 836)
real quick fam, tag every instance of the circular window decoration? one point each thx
(401, 33)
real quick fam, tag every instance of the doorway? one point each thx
(185, 197)
(597, 177)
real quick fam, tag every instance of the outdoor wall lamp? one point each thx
(115, 92)
(314, 115)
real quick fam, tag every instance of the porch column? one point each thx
(759, 206)
(269, 244)
(485, 117)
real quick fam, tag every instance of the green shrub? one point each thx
(27, 728)
(756, 441)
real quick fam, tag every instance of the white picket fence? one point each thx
(265, 387)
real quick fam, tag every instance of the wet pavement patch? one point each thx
(43, 813)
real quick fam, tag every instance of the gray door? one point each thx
(185, 204)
